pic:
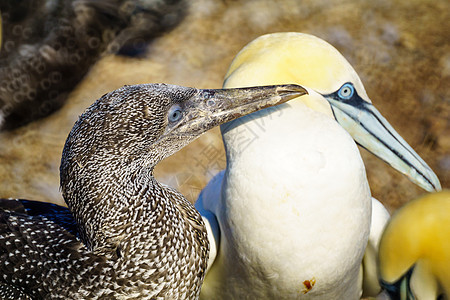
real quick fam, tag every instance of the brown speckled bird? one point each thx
(138, 238)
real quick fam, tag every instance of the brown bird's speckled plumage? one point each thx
(138, 239)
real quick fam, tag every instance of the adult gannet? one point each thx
(138, 238)
(414, 253)
(291, 214)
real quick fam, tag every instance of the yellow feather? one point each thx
(419, 233)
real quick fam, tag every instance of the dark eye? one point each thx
(346, 91)
(175, 113)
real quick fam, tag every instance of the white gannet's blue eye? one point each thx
(175, 113)
(346, 91)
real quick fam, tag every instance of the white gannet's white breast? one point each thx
(315, 170)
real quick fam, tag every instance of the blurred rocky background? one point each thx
(400, 49)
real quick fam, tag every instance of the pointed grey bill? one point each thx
(211, 107)
(373, 132)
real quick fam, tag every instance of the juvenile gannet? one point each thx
(414, 253)
(290, 216)
(139, 239)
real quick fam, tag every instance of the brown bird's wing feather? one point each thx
(38, 258)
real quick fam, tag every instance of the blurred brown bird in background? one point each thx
(49, 46)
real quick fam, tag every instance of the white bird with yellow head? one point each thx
(290, 217)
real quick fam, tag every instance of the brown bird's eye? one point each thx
(175, 113)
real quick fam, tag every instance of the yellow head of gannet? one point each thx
(414, 253)
(292, 211)
(312, 62)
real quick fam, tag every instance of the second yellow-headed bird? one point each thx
(414, 254)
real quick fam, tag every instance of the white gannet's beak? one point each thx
(373, 132)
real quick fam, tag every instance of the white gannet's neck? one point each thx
(239, 133)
